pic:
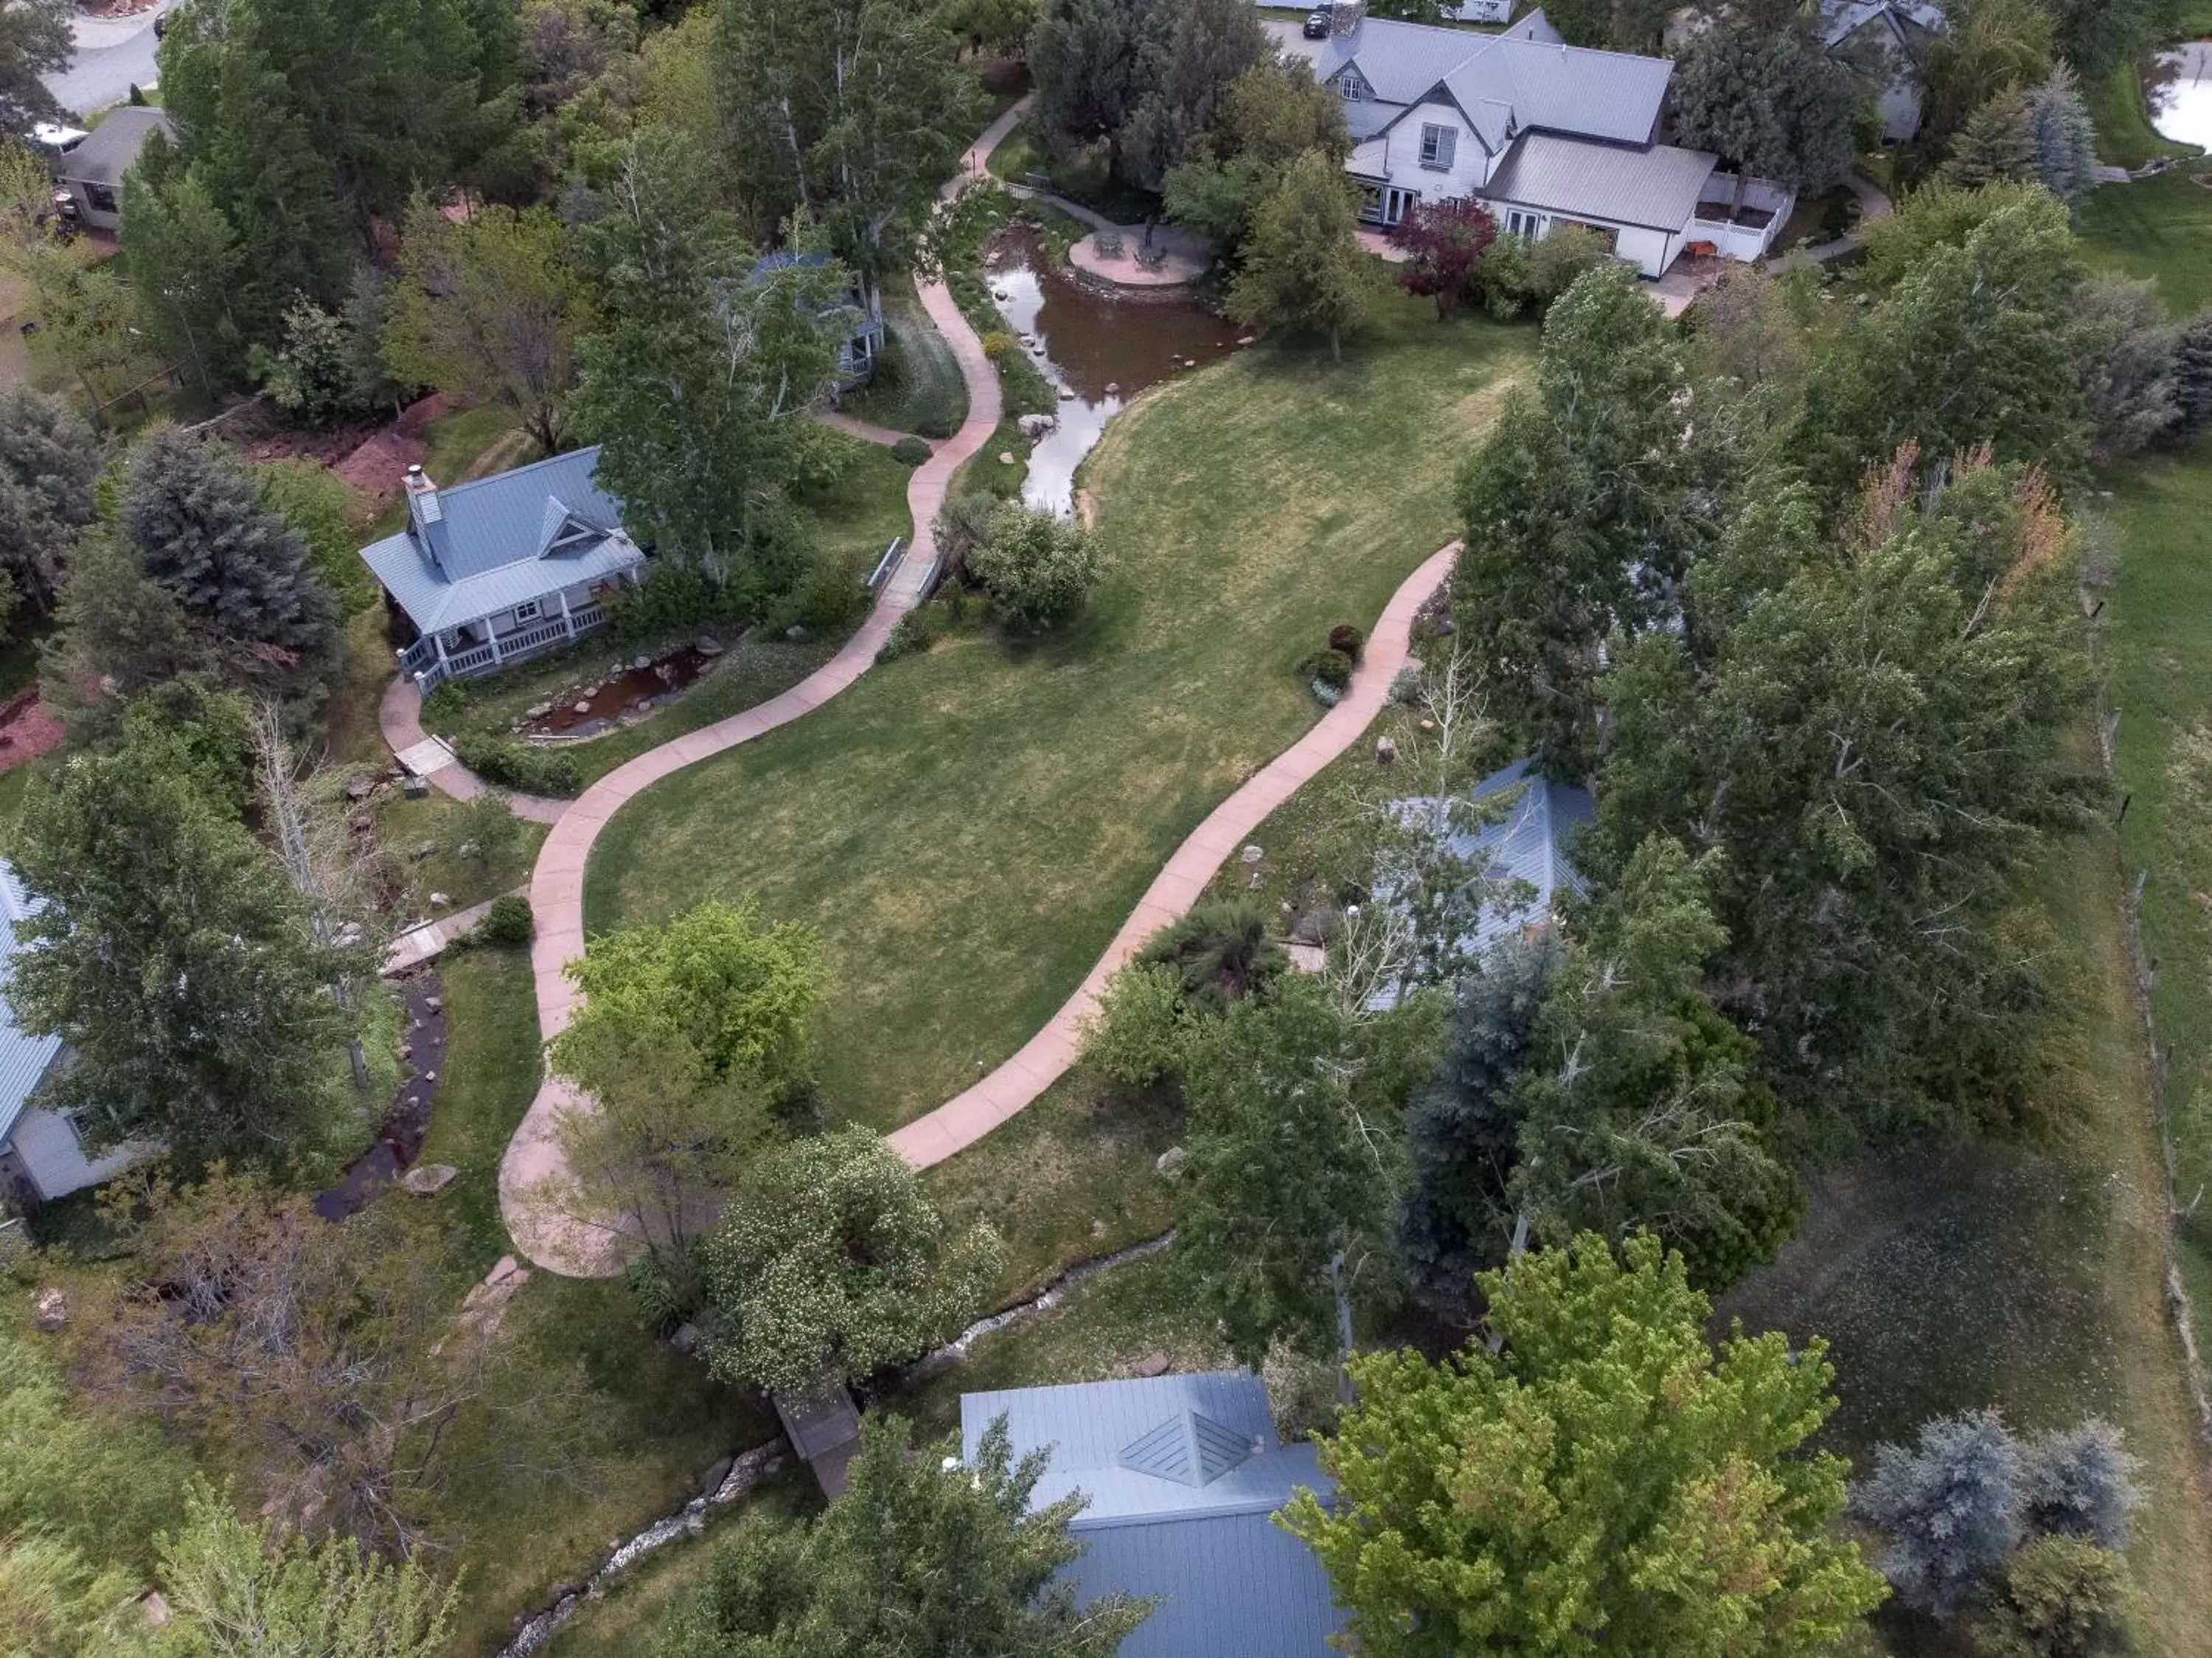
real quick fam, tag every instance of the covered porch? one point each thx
(529, 627)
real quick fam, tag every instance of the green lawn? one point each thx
(2125, 137)
(2160, 228)
(967, 828)
(917, 386)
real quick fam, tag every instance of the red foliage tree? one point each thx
(1447, 239)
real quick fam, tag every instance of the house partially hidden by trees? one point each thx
(506, 567)
(42, 1156)
(91, 172)
(1544, 134)
(1183, 1476)
(856, 323)
(1886, 41)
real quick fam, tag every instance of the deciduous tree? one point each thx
(699, 390)
(1267, 118)
(691, 1035)
(1445, 240)
(920, 1555)
(1605, 1481)
(176, 962)
(1039, 568)
(491, 308)
(831, 1264)
(1087, 59)
(2059, 1597)
(1303, 268)
(2129, 353)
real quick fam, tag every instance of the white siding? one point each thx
(1650, 251)
(1469, 166)
(54, 1158)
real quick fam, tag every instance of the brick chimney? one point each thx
(422, 508)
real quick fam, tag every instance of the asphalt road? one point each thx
(112, 55)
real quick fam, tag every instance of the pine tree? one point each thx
(197, 523)
(1210, 44)
(2192, 376)
(2080, 1482)
(1996, 144)
(49, 461)
(1463, 1131)
(2065, 138)
(1304, 267)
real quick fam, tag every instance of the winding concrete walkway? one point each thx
(540, 1215)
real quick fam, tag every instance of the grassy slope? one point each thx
(655, 1421)
(917, 386)
(968, 827)
(2160, 228)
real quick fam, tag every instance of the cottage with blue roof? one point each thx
(504, 568)
(1183, 1475)
(41, 1156)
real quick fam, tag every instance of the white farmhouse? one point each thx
(1542, 133)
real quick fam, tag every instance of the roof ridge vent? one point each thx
(1189, 1448)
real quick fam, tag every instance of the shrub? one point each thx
(1332, 668)
(672, 601)
(517, 765)
(1039, 568)
(1951, 1508)
(1221, 951)
(507, 924)
(1346, 640)
(825, 599)
(447, 698)
(2060, 1597)
(1142, 1027)
(997, 343)
(910, 451)
(916, 632)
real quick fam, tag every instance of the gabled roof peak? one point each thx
(1188, 1448)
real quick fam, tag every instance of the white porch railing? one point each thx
(426, 664)
(1769, 207)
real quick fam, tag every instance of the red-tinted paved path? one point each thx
(538, 1216)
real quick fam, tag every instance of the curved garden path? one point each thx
(539, 1217)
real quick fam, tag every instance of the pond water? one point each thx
(2179, 84)
(1103, 349)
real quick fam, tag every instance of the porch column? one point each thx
(491, 638)
(568, 618)
(439, 640)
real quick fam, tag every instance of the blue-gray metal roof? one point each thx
(1657, 188)
(1507, 84)
(24, 1059)
(485, 546)
(1841, 19)
(1182, 1475)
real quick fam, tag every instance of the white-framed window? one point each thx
(1438, 145)
(1518, 223)
(1352, 86)
(527, 610)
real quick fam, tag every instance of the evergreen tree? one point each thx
(1766, 95)
(2065, 138)
(49, 462)
(1606, 1481)
(176, 960)
(1209, 44)
(1463, 1131)
(117, 631)
(1998, 144)
(239, 572)
(2099, 36)
(699, 390)
(193, 271)
(1951, 1509)
(1639, 1106)
(920, 1555)
(2128, 355)
(1582, 508)
(34, 42)
(1304, 267)
(1088, 58)
(2080, 1482)
(2192, 377)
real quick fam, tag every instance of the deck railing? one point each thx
(421, 663)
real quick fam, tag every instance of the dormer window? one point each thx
(1352, 86)
(1438, 145)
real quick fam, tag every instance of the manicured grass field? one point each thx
(2160, 228)
(968, 827)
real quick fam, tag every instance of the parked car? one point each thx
(1317, 23)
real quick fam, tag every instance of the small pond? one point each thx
(1103, 349)
(2178, 85)
(646, 683)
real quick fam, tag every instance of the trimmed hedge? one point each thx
(518, 765)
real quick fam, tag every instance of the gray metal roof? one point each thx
(1841, 19)
(24, 1059)
(1182, 1475)
(481, 547)
(1527, 76)
(114, 144)
(1655, 187)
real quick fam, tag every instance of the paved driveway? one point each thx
(113, 54)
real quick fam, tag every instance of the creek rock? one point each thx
(711, 1481)
(685, 1339)
(706, 645)
(537, 711)
(51, 1307)
(1036, 425)
(428, 1180)
(1169, 1162)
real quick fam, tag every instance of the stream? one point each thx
(1097, 349)
(2178, 85)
